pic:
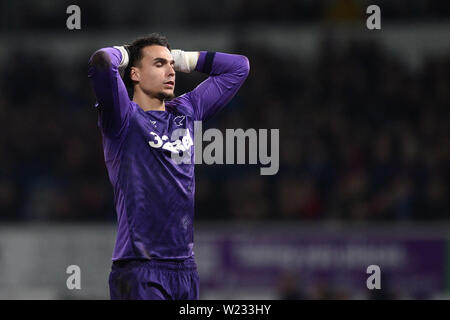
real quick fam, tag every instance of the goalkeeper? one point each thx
(153, 256)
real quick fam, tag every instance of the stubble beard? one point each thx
(165, 96)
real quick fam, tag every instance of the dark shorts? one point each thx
(154, 280)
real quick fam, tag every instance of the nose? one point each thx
(171, 70)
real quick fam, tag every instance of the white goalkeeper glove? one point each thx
(185, 61)
(125, 58)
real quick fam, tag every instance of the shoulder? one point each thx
(182, 104)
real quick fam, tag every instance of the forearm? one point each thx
(227, 74)
(111, 93)
(217, 63)
(103, 72)
(211, 63)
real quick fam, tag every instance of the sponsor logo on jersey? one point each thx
(179, 120)
(180, 145)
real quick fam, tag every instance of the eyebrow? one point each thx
(163, 60)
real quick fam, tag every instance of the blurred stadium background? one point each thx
(364, 148)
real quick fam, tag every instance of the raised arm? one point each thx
(113, 102)
(227, 74)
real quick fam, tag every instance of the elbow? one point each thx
(244, 65)
(100, 60)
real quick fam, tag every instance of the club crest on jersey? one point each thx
(153, 122)
(178, 120)
(180, 146)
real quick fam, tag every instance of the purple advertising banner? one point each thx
(409, 265)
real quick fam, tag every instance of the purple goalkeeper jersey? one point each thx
(153, 192)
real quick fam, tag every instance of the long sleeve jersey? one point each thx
(153, 193)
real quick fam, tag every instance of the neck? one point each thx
(148, 103)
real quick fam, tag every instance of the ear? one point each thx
(135, 75)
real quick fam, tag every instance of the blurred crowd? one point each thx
(114, 14)
(362, 137)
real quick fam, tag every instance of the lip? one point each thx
(169, 83)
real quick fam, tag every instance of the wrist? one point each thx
(185, 61)
(205, 61)
(125, 56)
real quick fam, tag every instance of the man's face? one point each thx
(154, 73)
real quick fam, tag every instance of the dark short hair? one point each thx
(136, 55)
